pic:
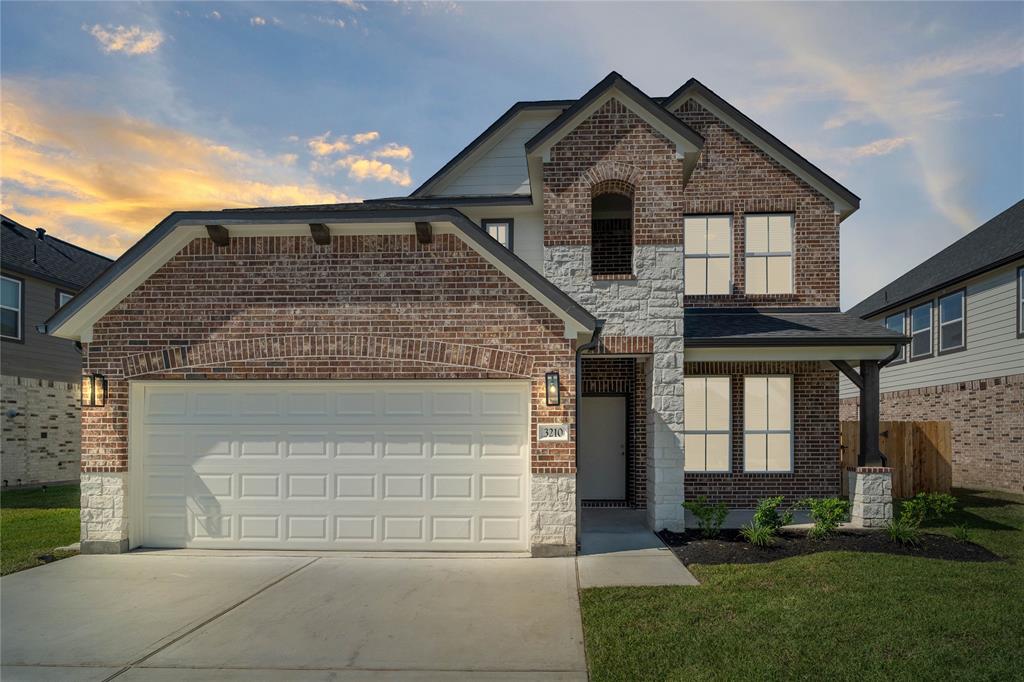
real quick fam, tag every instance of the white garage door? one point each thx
(347, 465)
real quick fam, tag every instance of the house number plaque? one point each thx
(550, 432)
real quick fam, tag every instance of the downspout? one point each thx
(594, 342)
(882, 363)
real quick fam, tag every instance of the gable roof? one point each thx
(36, 254)
(995, 243)
(654, 113)
(772, 145)
(171, 234)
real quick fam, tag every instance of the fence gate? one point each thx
(920, 453)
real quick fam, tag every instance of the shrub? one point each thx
(927, 507)
(767, 514)
(961, 534)
(904, 531)
(710, 517)
(827, 513)
(758, 534)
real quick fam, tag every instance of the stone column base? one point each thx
(553, 515)
(104, 513)
(870, 496)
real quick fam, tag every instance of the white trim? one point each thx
(790, 353)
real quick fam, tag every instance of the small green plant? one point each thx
(927, 507)
(904, 531)
(827, 513)
(710, 517)
(962, 534)
(757, 534)
(767, 513)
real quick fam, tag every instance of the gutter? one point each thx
(595, 340)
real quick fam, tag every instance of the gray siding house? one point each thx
(40, 373)
(964, 311)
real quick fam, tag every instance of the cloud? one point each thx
(361, 168)
(394, 151)
(103, 180)
(352, 5)
(127, 39)
(321, 146)
(339, 23)
(880, 147)
(257, 21)
(214, 15)
(363, 138)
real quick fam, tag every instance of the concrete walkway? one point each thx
(170, 616)
(617, 549)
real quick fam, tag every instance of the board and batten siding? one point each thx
(40, 356)
(993, 347)
(500, 167)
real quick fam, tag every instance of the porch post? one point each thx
(870, 414)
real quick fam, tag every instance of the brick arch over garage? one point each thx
(385, 349)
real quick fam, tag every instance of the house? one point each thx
(40, 374)
(964, 311)
(466, 367)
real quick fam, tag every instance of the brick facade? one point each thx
(736, 178)
(41, 428)
(816, 470)
(987, 420)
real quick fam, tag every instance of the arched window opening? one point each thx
(611, 234)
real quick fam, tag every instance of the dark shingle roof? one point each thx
(707, 327)
(55, 260)
(998, 241)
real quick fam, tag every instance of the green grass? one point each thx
(834, 615)
(34, 522)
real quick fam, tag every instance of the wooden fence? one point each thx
(920, 453)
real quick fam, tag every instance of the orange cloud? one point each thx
(322, 146)
(363, 138)
(104, 180)
(127, 39)
(394, 151)
(361, 168)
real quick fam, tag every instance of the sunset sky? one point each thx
(116, 114)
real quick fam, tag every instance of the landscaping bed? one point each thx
(730, 548)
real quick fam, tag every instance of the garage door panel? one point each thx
(423, 468)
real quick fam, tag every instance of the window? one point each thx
(921, 331)
(500, 230)
(611, 233)
(769, 266)
(768, 423)
(951, 322)
(708, 249)
(1020, 302)
(898, 324)
(10, 308)
(706, 432)
(63, 297)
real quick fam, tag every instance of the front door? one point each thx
(601, 471)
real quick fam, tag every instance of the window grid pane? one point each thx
(707, 428)
(921, 331)
(951, 321)
(10, 308)
(898, 323)
(708, 242)
(768, 424)
(769, 254)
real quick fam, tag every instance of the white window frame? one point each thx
(768, 431)
(20, 310)
(962, 321)
(706, 431)
(507, 223)
(902, 357)
(748, 255)
(930, 329)
(707, 256)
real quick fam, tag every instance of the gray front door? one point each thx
(601, 470)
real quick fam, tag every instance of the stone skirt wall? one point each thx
(41, 423)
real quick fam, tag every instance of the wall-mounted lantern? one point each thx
(94, 390)
(552, 388)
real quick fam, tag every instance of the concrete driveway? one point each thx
(180, 615)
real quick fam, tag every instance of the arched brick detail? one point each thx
(613, 174)
(177, 358)
(612, 187)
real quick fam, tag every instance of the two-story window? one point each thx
(706, 432)
(952, 315)
(708, 254)
(768, 424)
(921, 331)
(11, 307)
(769, 254)
(500, 230)
(898, 323)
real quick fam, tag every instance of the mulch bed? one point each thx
(731, 548)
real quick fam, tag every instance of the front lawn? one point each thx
(833, 615)
(34, 522)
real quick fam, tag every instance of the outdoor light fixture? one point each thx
(552, 388)
(94, 390)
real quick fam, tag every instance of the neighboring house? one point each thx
(964, 311)
(41, 374)
(407, 373)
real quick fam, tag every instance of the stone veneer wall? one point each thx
(42, 438)
(104, 516)
(987, 421)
